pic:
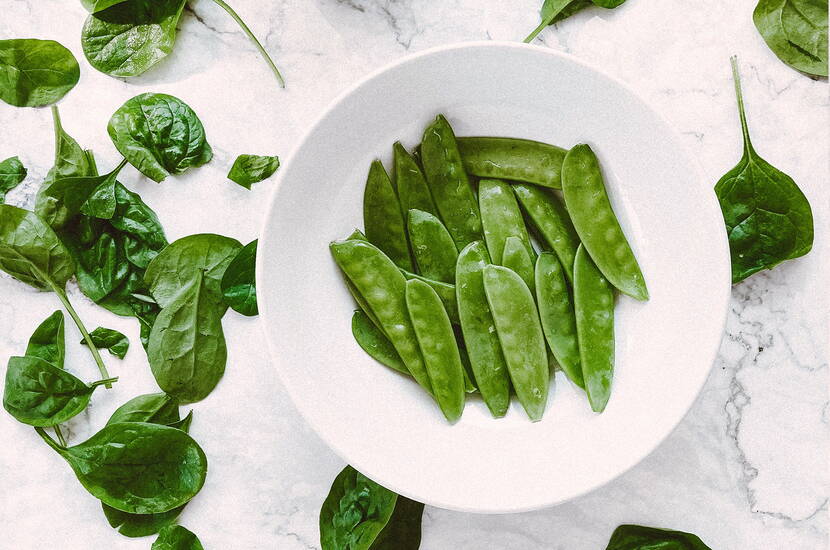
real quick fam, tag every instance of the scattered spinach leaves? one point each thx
(238, 282)
(47, 341)
(796, 31)
(176, 537)
(12, 172)
(250, 169)
(34, 73)
(554, 11)
(636, 537)
(111, 340)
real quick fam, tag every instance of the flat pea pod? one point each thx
(479, 329)
(521, 337)
(382, 218)
(596, 224)
(449, 184)
(433, 247)
(383, 287)
(594, 306)
(445, 291)
(438, 347)
(513, 159)
(413, 191)
(552, 222)
(516, 258)
(358, 235)
(556, 311)
(375, 343)
(501, 218)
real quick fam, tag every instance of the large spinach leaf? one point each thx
(768, 218)
(111, 340)
(250, 169)
(34, 73)
(47, 341)
(554, 11)
(636, 537)
(137, 467)
(239, 283)
(176, 537)
(12, 172)
(159, 135)
(796, 31)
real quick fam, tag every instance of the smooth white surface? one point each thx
(745, 469)
(482, 464)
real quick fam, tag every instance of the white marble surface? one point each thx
(746, 469)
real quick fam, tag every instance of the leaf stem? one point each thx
(253, 39)
(49, 441)
(56, 119)
(118, 168)
(545, 22)
(736, 77)
(104, 381)
(59, 433)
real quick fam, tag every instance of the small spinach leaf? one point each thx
(140, 525)
(796, 31)
(34, 73)
(111, 340)
(155, 408)
(250, 169)
(47, 341)
(554, 11)
(176, 537)
(636, 537)
(12, 172)
(238, 282)
(159, 135)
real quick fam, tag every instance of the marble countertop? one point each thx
(747, 467)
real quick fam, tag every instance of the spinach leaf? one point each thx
(129, 37)
(636, 537)
(159, 135)
(796, 31)
(176, 537)
(140, 227)
(403, 532)
(34, 73)
(137, 467)
(250, 169)
(99, 256)
(768, 218)
(554, 11)
(12, 172)
(155, 408)
(47, 341)
(40, 394)
(238, 282)
(93, 6)
(111, 340)
(184, 423)
(140, 525)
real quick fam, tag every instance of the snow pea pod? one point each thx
(433, 247)
(479, 329)
(594, 306)
(516, 258)
(382, 217)
(412, 186)
(383, 287)
(513, 159)
(501, 218)
(358, 298)
(520, 335)
(440, 351)
(596, 224)
(552, 222)
(375, 343)
(445, 291)
(556, 312)
(449, 184)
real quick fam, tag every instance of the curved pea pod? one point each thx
(594, 306)
(382, 217)
(556, 312)
(375, 343)
(413, 191)
(449, 184)
(516, 258)
(479, 329)
(501, 218)
(433, 247)
(521, 338)
(383, 287)
(438, 347)
(445, 291)
(552, 222)
(596, 224)
(513, 159)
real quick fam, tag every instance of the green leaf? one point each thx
(159, 135)
(238, 282)
(139, 226)
(554, 11)
(34, 73)
(111, 340)
(140, 525)
(40, 394)
(768, 219)
(12, 172)
(796, 31)
(636, 537)
(101, 202)
(250, 169)
(47, 341)
(131, 36)
(184, 423)
(93, 6)
(176, 537)
(155, 408)
(403, 532)
(65, 198)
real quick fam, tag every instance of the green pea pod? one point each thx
(513, 159)
(382, 217)
(479, 329)
(469, 376)
(445, 291)
(383, 287)
(551, 220)
(449, 184)
(412, 186)
(556, 312)
(432, 246)
(521, 338)
(437, 342)
(516, 258)
(596, 224)
(594, 306)
(375, 343)
(501, 218)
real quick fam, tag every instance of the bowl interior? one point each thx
(381, 422)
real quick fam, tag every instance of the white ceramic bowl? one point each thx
(383, 423)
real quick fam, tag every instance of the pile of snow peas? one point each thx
(472, 274)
